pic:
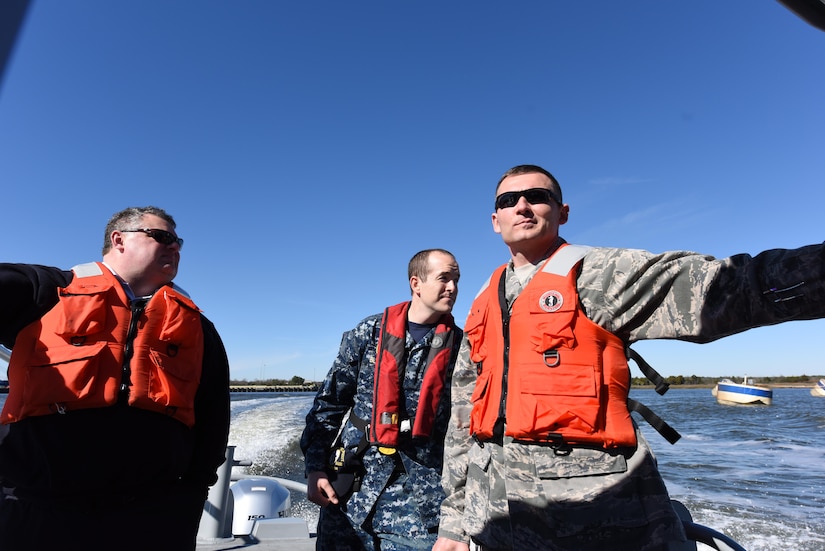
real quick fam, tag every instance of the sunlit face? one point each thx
(437, 292)
(527, 228)
(144, 259)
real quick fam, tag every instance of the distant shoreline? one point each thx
(308, 388)
(769, 385)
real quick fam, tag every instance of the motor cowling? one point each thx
(256, 499)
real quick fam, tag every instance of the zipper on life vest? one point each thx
(137, 306)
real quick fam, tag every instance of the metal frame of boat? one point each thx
(727, 391)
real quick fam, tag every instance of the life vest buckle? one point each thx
(552, 358)
(338, 458)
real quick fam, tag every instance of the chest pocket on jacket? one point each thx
(81, 315)
(63, 375)
(550, 330)
(173, 372)
(474, 330)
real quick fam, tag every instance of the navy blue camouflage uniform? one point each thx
(397, 505)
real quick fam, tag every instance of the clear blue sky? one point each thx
(309, 149)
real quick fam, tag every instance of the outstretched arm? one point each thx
(27, 291)
(683, 295)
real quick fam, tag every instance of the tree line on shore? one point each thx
(676, 380)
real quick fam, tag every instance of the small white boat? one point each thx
(727, 391)
(819, 389)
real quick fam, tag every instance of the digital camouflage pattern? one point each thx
(408, 483)
(682, 295)
(530, 496)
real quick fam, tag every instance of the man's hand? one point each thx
(445, 544)
(319, 490)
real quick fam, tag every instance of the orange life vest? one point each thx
(550, 372)
(387, 410)
(92, 348)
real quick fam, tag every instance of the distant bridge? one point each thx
(308, 387)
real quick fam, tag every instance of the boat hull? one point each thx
(735, 393)
(819, 389)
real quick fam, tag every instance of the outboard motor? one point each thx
(256, 499)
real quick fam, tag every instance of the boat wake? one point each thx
(265, 431)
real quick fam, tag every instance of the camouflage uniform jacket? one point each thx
(512, 495)
(349, 385)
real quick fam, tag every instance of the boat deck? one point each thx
(267, 534)
(248, 542)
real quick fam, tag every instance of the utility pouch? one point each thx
(345, 472)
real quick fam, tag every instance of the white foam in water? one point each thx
(267, 424)
(754, 473)
(264, 429)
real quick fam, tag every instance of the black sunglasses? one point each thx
(534, 196)
(161, 236)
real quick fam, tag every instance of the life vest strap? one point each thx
(364, 426)
(653, 376)
(668, 433)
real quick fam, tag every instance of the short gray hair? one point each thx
(130, 218)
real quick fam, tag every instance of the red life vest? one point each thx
(74, 357)
(554, 375)
(387, 409)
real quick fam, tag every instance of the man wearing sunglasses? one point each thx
(541, 452)
(388, 392)
(117, 416)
